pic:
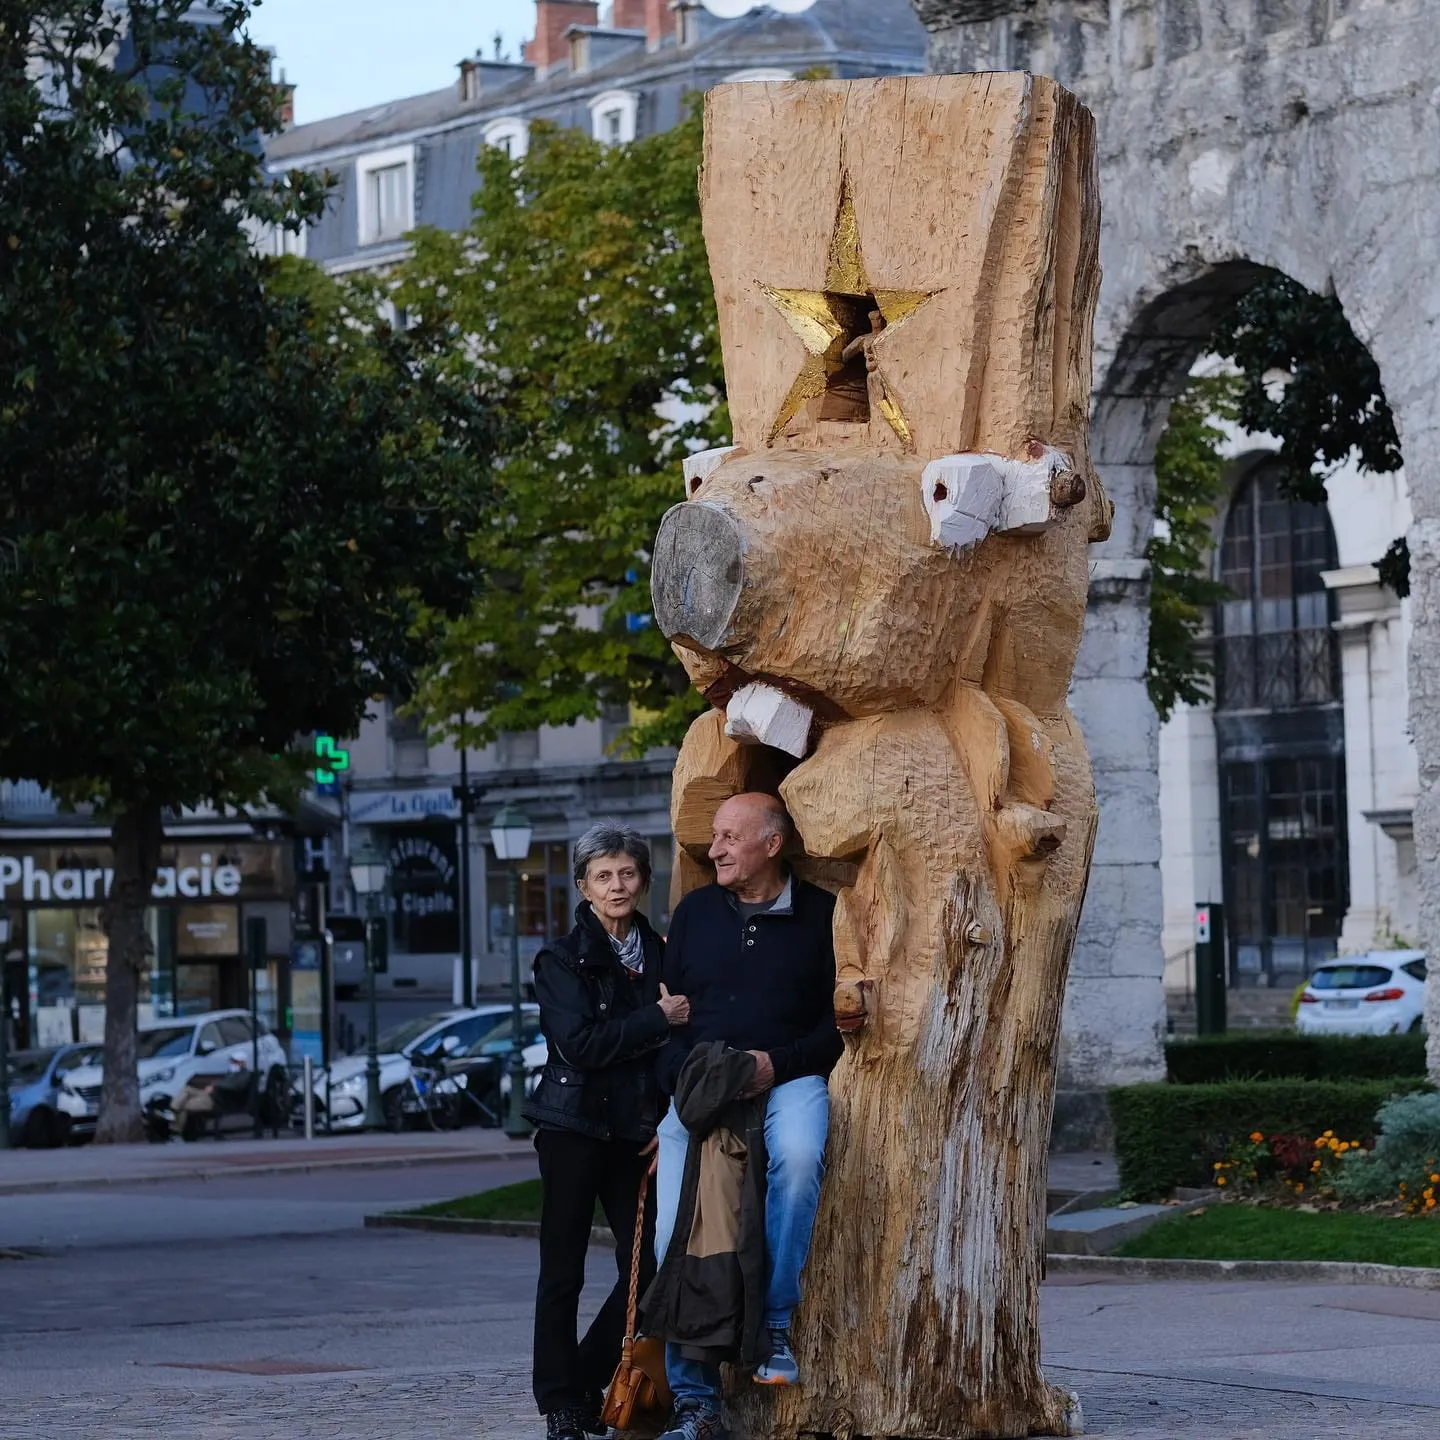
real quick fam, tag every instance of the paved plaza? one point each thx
(257, 1308)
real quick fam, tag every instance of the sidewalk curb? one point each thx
(1335, 1272)
(245, 1172)
(451, 1225)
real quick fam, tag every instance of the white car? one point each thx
(1381, 993)
(447, 1033)
(169, 1052)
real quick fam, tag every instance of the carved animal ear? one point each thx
(969, 496)
(700, 464)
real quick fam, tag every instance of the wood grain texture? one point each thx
(946, 792)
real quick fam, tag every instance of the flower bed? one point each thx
(1172, 1135)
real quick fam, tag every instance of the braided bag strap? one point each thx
(632, 1304)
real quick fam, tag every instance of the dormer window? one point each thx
(613, 116)
(579, 52)
(511, 135)
(385, 184)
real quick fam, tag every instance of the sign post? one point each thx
(1210, 970)
(255, 948)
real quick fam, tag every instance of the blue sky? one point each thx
(350, 54)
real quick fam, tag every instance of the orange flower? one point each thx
(1220, 1180)
(1256, 1137)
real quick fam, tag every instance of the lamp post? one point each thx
(367, 874)
(4, 1032)
(510, 835)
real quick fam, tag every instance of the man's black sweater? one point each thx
(767, 983)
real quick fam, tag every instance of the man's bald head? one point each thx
(750, 831)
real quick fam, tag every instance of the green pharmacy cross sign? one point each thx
(330, 761)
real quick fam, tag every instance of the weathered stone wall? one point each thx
(1300, 135)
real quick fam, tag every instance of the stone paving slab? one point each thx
(494, 1404)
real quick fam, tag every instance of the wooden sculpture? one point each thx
(880, 588)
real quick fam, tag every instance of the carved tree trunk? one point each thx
(881, 589)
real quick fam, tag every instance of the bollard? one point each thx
(309, 1083)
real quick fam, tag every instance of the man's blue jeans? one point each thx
(797, 1121)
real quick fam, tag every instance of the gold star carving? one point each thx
(837, 326)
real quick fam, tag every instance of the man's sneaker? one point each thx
(693, 1424)
(567, 1424)
(781, 1368)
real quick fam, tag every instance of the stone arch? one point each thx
(1296, 135)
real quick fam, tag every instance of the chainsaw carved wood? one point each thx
(880, 588)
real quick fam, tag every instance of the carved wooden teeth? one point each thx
(759, 714)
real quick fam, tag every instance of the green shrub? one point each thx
(1284, 1055)
(1405, 1157)
(1169, 1135)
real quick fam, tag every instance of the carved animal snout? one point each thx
(697, 574)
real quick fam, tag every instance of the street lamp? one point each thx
(510, 836)
(4, 1032)
(368, 872)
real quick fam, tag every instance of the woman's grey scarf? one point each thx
(631, 950)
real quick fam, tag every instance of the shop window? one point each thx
(424, 893)
(545, 903)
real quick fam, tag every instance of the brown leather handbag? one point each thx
(639, 1395)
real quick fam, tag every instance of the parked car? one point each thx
(1381, 993)
(445, 1034)
(169, 1052)
(44, 1109)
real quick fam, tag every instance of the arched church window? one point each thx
(1274, 645)
(1280, 735)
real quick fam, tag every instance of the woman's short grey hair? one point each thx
(610, 837)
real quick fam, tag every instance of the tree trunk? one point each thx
(136, 836)
(900, 545)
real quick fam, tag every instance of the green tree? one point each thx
(582, 287)
(227, 505)
(1302, 375)
(1189, 486)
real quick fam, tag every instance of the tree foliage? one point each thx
(1189, 486)
(1301, 375)
(227, 505)
(581, 287)
(1309, 381)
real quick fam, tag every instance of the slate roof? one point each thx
(857, 33)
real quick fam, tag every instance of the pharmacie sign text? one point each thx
(23, 878)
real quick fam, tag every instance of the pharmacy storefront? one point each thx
(57, 953)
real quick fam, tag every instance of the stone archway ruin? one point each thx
(1298, 135)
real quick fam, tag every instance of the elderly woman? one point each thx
(605, 1015)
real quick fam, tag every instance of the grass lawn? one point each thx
(509, 1202)
(1247, 1232)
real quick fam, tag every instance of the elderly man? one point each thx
(755, 955)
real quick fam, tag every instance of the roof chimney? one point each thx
(659, 23)
(627, 14)
(552, 19)
(287, 103)
(469, 81)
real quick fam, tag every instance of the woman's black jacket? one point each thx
(604, 1029)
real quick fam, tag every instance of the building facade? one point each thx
(1290, 796)
(217, 872)
(620, 74)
